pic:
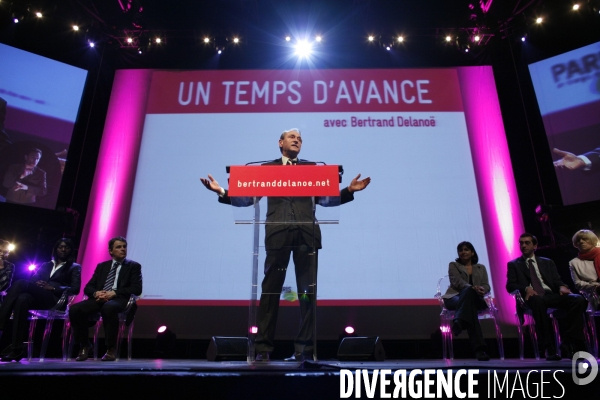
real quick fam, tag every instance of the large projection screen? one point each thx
(432, 140)
(567, 88)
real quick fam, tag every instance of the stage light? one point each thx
(75, 28)
(523, 39)
(236, 40)
(539, 20)
(162, 329)
(254, 329)
(206, 40)
(349, 330)
(140, 50)
(287, 38)
(38, 14)
(388, 48)
(129, 40)
(466, 50)
(164, 346)
(16, 20)
(371, 38)
(303, 48)
(576, 7)
(158, 40)
(477, 38)
(31, 267)
(448, 38)
(219, 51)
(92, 44)
(11, 247)
(400, 39)
(318, 38)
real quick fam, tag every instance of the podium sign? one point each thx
(284, 180)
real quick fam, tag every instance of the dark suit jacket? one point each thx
(36, 183)
(6, 275)
(594, 157)
(518, 277)
(67, 278)
(279, 210)
(129, 280)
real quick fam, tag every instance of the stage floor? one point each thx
(511, 378)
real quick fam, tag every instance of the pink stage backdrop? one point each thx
(112, 190)
(110, 200)
(498, 197)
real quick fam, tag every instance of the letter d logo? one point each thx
(579, 368)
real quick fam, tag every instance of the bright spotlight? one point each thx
(254, 329)
(539, 20)
(11, 247)
(287, 38)
(448, 38)
(31, 267)
(371, 38)
(523, 39)
(303, 48)
(236, 40)
(467, 50)
(75, 28)
(158, 40)
(162, 329)
(38, 14)
(318, 38)
(575, 7)
(92, 44)
(349, 330)
(219, 51)
(206, 40)
(477, 38)
(400, 39)
(129, 40)
(387, 48)
(16, 20)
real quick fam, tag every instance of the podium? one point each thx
(279, 203)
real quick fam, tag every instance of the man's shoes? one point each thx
(481, 355)
(551, 354)
(299, 357)
(262, 356)
(111, 355)
(457, 327)
(14, 355)
(84, 353)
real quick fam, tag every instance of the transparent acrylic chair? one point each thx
(447, 316)
(124, 329)
(591, 312)
(61, 312)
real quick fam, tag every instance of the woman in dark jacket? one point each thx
(41, 292)
(468, 284)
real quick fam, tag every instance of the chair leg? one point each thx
(499, 339)
(129, 337)
(592, 333)
(32, 323)
(71, 343)
(65, 340)
(533, 335)
(46, 339)
(96, 333)
(443, 328)
(556, 335)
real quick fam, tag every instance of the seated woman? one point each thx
(6, 269)
(585, 268)
(41, 292)
(468, 284)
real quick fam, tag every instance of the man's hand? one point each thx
(105, 295)
(357, 185)
(530, 292)
(26, 172)
(20, 186)
(480, 290)
(212, 184)
(564, 290)
(44, 285)
(568, 160)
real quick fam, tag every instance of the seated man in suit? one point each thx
(25, 181)
(7, 269)
(41, 292)
(108, 291)
(538, 281)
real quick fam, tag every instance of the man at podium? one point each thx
(292, 234)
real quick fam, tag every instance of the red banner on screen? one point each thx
(178, 92)
(282, 180)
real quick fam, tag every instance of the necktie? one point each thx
(110, 279)
(536, 284)
(291, 162)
